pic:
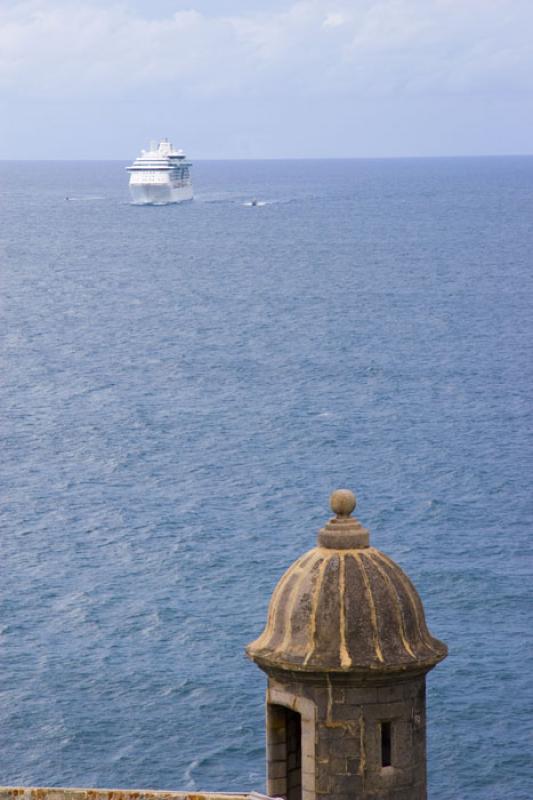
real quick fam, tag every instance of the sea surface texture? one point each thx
(182, 388)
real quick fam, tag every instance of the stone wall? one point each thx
(347, 757)
(50, 793)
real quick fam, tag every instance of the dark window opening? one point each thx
(285, 752)
(386, 740)
(294, 755)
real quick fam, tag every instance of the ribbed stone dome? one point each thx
(346, 607)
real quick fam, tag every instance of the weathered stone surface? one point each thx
(343, 712)
(346, 608)
(55, 793)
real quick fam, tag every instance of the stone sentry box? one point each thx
(346, 651)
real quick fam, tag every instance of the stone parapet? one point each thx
(65, 793)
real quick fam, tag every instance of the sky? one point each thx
(266, 78)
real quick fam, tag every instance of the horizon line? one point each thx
(289, 158)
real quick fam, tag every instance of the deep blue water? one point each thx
(183, 386)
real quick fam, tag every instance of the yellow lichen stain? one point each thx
(372, 607)
(291, 603)
(416, 605)
(312, 616)
(330, 722)
(362, 757)
(346, 661)
(269, 631)
(396, 605)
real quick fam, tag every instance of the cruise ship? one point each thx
(160, 175)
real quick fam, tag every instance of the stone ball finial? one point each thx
(342, 502)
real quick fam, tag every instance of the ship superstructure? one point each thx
(160, 175)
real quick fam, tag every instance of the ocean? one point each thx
(183, 387)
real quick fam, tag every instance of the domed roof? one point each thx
(346, 607)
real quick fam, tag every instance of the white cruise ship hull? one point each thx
(159, 194)
(160, 175)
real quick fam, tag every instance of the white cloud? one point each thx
(54, 49)
(333, 20)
